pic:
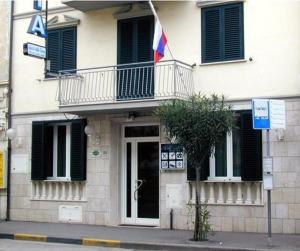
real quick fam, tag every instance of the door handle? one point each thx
(139, 184)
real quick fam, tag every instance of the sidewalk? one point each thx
(142, 237)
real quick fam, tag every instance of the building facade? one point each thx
(88, 148)
(5, 14)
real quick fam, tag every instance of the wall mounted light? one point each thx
(10, 133)
(91, 132)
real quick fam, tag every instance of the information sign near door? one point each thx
(172, 157)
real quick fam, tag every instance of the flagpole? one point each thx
(156, 17)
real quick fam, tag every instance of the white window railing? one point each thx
(227, 193)
(58, 190)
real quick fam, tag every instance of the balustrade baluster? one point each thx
(76, 191)
(56, 195)
(50, 191)
(211, 199)
(239, 199)
(248, 193)
(202, 192)
(258, 193)
(70, 192)
(63, 191)
(44, 194)
(229, 194)
(220, 199)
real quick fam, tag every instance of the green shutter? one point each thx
(222, 33)
(251, 154)
(38, 171)
(135, 37)
(78, 150)
(68, 45)
(191, 171)
(211, 34)
(61, 49)
(233, 31)
(53, 50)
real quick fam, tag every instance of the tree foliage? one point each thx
(198, 124)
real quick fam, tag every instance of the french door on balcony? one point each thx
(135, 79)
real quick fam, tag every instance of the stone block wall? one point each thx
(253, 218)
(103, 201)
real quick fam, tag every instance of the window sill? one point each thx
(49, 179)
(224, 179)
(224, 62)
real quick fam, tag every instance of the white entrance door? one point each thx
(141, 177)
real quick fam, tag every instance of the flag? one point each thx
(159, 42)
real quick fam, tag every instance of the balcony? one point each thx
(124, 87)
(87, 5)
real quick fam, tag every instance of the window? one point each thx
(58, 150)
(225, 163)
(222, 33)
(62, 49)
(238, 156)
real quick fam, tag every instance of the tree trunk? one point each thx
(198, 230)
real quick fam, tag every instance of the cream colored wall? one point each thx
(271, 39)
(4, 40)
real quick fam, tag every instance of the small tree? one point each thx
(198, 124)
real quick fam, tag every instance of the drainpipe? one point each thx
(9, 109)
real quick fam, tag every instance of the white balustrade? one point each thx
(227, 193)
(58, 190)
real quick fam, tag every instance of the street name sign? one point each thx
(34, 50)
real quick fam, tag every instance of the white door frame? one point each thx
(134, 220)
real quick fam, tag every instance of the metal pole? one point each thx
(269, 195)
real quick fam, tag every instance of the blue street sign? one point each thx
(260, 114)
(34, 50)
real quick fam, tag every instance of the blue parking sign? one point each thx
(260, 114)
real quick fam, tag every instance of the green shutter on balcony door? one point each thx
(38, 170)
(78, 150)
(251, 154)
(135, 37)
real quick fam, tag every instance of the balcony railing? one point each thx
(127, 82)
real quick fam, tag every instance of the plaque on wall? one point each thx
(172, 157)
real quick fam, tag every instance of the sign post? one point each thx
(268, 114)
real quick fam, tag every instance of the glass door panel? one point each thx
(148, 180)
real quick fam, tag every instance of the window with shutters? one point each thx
(222, 33)
(59, 145)
(237, 157)
(58, 150)
(61, 49)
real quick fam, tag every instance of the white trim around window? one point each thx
(67, 152)
(229, 163)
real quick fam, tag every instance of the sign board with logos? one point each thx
(172, 157)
